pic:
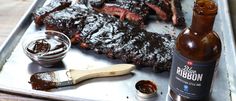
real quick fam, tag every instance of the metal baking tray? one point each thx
(16, 67)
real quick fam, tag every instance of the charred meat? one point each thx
(107, 35)
(162, 8)
(136, 11)
(132, 10)
(178, 15)
(169, 11)
(53, 6)
(139, 10)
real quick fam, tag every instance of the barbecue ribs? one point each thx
(132, 10)
(107, 35)
(53, 6)
(138, 10)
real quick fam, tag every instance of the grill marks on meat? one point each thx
(138, 10)
(108, 35)
(162, 8)
(68, 21)
(53, 6)
(132, 10)
(168, 10)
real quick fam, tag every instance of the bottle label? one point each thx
(191, 79)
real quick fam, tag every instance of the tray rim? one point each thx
(5, 53)
(16, 30)
(231, 52)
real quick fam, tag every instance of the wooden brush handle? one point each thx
(113, 70)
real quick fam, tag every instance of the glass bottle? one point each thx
(196, 54)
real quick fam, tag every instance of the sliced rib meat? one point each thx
(161, 7)
(178, 15)
(132, 10)
(168, 10)
(139, 10)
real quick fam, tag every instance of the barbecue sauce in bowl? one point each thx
(44, 47)
(39, 46)
(48, 48)
(146, 88)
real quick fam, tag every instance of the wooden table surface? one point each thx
(10, 13)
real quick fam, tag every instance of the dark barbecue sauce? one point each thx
(196, 55)
(39, 46)
(43, 81)
(46, 47)
(145, 86)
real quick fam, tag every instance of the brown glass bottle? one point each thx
(196, 55)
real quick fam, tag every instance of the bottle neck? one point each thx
(202, 23)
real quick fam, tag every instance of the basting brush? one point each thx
(55, 79)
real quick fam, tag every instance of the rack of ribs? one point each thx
(138, 10)
(132, 10)
(105, 34)
(54, 5)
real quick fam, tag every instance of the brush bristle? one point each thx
(43, 81)
(49, 80)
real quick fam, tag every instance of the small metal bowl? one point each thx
(146, 89)
(46, 48)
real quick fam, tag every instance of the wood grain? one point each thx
(11, 12)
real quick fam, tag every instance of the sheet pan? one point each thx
(16, 68)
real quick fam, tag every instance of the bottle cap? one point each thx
(205, 7)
